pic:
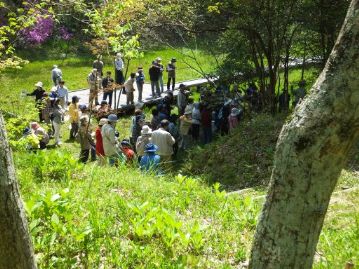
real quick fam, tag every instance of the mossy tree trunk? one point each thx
(16, 250)
(311, 151)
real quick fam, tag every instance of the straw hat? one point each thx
(39, 84)
(102, 121)
(146, 130)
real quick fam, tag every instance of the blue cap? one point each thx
(125, 142)
(26, 131)
(112, 118)
(151, 147)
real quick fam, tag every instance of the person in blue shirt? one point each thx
(151, 161)
(140, 80)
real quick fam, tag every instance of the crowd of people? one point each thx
(154, 143)
(97, 82)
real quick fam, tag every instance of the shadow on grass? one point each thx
(241, 160)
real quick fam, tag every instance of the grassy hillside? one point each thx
(103, 217)
(242, 159)
(86, 216)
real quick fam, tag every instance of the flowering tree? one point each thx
(39, 32)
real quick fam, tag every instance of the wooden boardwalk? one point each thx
(83, 94)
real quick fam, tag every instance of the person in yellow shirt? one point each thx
(74, 114)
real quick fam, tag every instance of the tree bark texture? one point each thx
(16, 250)
(311, 152)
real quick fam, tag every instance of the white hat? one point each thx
(84, 118)
(188, 111)
(39, 84)
(103, 121)
(158, 59)
(146, 130)
(54, 66)
(118, 54)
(235, 112)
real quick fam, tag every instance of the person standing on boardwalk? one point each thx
(165, 141)
(107, 85)
(56, 75)
(98, 64)
(119, 66)
(161, 68)
(130, 89)
(74, 114)
(62, 93)
(140, 80)
(171, 70)
(92, 80)
(39, 94)
(154, 73)
(181, 99)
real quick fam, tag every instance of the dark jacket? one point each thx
(38, 93)
(154, 73)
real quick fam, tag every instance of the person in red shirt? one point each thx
(127, 151)
(99, 144)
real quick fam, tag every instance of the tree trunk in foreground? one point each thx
(16, 250)
(311, 152)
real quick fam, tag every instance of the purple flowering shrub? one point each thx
(42, 30)
(39, 32)
(64, 33)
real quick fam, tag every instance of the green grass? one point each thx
(102, 216)
(123, 218)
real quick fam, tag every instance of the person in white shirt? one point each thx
(56, 75)
(109, 140)
(130, 89)
(165, 141)
(62, 94)
(119, 66)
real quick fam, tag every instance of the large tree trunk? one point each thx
(16, 250)
(311, 152)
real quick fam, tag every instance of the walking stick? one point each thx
(119, 96)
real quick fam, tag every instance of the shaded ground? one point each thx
(242, 159)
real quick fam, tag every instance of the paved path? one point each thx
(146, 94)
